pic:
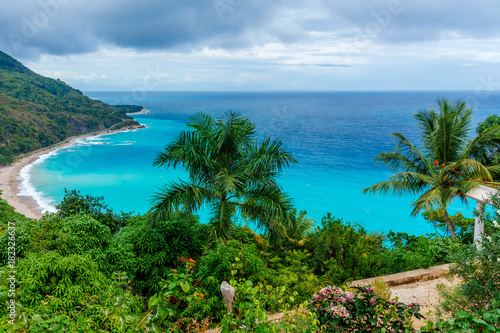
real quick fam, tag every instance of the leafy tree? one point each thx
(463, 226)
(440, 171)
(75, 203)
(488, 152)
(230, 171)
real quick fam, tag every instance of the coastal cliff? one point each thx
(36, 111)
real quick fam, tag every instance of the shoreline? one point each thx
(9, 175)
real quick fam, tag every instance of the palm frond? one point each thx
(270, 210)
(181, 196)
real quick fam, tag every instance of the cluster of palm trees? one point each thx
(236, 174)
(447, 165)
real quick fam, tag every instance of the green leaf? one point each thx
(185, 287)
(153, 301)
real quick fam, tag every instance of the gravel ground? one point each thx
(425, 293)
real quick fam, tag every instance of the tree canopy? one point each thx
(229, 170)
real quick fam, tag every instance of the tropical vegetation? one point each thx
(87, 268)
(440, 171)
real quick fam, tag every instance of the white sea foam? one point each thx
(26, 188)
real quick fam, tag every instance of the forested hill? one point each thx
(36, 111)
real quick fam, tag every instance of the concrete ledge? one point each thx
(423, 274)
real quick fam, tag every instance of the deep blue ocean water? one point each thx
(333, 135)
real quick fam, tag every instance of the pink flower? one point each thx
(372, 301)
(340, 299)
(331, 291)
(349, 296)
(369, 289)
(339, 312)
(318, 297)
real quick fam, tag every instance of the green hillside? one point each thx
(36, 111)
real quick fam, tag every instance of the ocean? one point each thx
(333, 135)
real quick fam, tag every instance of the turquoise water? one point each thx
(333, 135)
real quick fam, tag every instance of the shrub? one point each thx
(156, 250)
(482, 321)
(341, 251)
(408, 252)
(249, 310)
(114, 309)
(216, 265)
(362, 311)
(180, 293)
(61, 281)
(291, 271)
(75, 203)
(19, 228)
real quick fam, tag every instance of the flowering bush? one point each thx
(179, 292)
(361, 311)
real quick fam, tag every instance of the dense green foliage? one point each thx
(488, 152)
(479, 267)
(474, 304)
(439, 171)
(36, 111)
(155, 251)
(74, 203)
(72, 269)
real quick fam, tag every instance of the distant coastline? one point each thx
(10, 179)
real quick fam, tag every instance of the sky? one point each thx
(127, 45)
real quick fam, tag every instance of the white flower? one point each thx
(496, 224)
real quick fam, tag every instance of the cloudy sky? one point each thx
(257, 44)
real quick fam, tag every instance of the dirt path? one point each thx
(424, 293)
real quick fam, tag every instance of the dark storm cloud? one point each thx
(29, 28)
(65, 27)
(422, 20)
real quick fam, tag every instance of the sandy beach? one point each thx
(9, 175)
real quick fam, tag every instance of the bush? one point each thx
(156, 250)
(216, 265)
(482, 321)
(291, 271)
(341, 251)
(408, 252)
(180, 296)
(75, 203)
(250, 310)
(113, 309)
(479, 268)
(361, 311)
(61, 281)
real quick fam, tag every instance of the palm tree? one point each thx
(230, 171)
(488, 152)
(436, 172)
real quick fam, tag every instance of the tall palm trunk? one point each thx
(448, 223)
